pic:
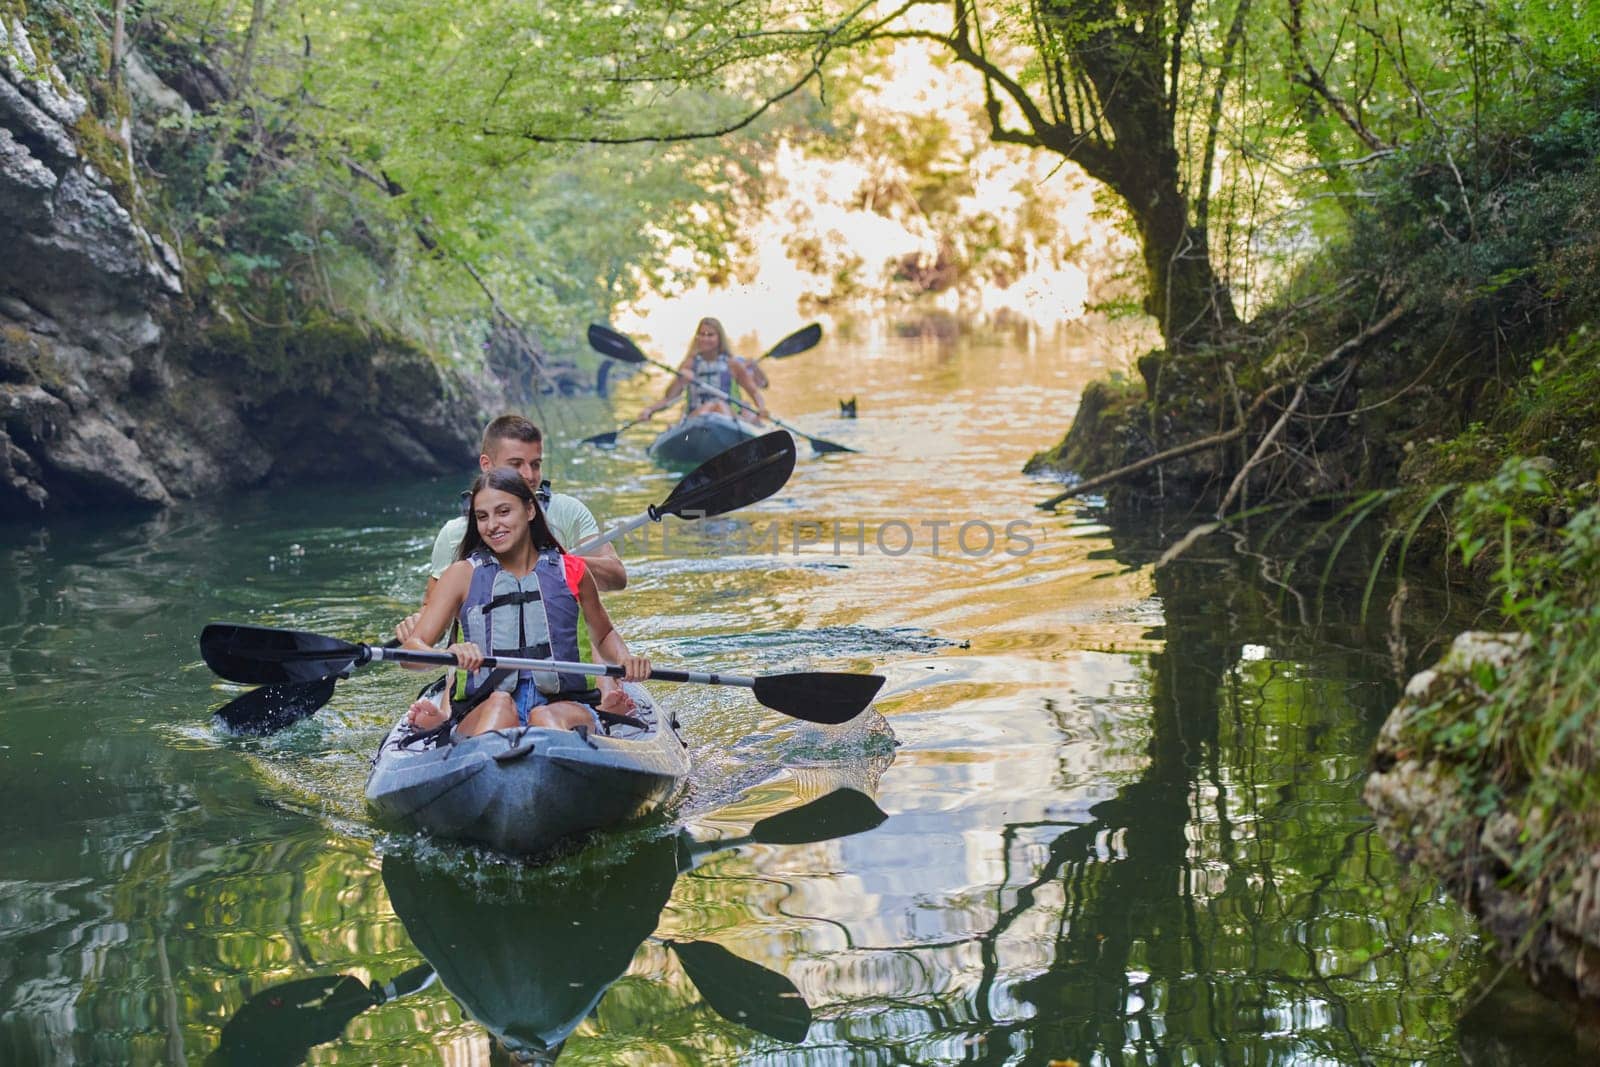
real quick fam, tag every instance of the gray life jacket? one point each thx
(534, 617)
(716, 373)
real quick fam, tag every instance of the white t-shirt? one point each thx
(569, 520)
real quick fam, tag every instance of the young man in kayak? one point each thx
(512, 441)
(514, 591)
(708, 363)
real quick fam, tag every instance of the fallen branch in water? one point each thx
(1261, 400)
(1091, 484)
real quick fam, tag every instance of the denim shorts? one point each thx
(527, 697)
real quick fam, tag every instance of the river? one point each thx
(1123, 816)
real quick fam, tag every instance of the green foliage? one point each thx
(1560, 34)
(1524, 736)
(328, 174)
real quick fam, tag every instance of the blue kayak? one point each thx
(696, 439)
(529, 789)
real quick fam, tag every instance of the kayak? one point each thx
(526, 790)
(699, 437)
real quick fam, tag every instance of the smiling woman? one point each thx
(515, 591)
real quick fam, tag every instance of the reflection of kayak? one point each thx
(699, 437)
(528, 789)
(527, 956)
(529, 953)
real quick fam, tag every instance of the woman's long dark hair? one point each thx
(506, 480)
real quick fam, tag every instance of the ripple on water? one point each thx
(828, 642)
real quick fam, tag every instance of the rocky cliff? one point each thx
(112, 393)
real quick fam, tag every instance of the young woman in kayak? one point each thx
(709, 363)
(513, 590)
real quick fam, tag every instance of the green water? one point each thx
(1123, 804)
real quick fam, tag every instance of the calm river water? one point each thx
(1123, 804)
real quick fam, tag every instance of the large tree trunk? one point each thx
(1111, 107)
(1183, 292)
(1129, 67)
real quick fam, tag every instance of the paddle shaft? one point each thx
(448, 659)
(610, 437)
(615, 532)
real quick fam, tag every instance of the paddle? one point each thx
(272, 707)
(609, 342)
(841, 813)
(751, 470)
(739, 989)
(802, 340)
(609, 438)
(745, 992)
(262, 655)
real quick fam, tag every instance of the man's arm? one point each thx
(609, 572)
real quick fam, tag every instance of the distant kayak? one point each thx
(699, 437)
(528, 789)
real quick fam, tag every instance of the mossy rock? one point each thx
(105, 152)
(320, 358)
(1105, 430)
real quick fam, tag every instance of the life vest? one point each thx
(535, 617)
(715, 373)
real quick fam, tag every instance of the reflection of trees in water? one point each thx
(1232, 903)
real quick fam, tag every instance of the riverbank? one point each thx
(1437, 371)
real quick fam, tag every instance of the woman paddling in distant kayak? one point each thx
(515, 592)
(709, 366)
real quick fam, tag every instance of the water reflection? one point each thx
(529, 954)
(279, 1026)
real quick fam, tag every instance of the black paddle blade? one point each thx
(829, 698)
(838, 814)
(751, 470)
(272, 707)
(801, 340)
(821, 447)
(604, 440)
(743, 992)
(260, 655)
(609, 342)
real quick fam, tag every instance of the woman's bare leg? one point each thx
(498, 712)
(562, 715)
